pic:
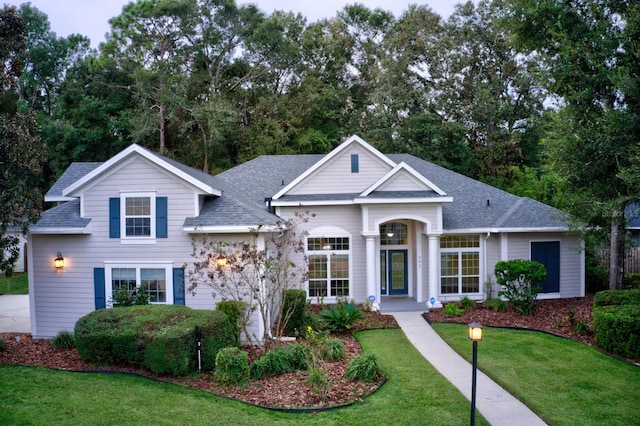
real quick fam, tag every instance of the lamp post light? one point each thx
(475, 334)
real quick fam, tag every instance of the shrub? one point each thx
(64, 340)
(280, 360)
(631, 281)
(295, 312)
(340, 317)
(3, 345)
(135, 297)
(234, 310)
(232, 366)
(596, 277)
(158, 337)
(332, 349)
(582, 328)
(616, 297)
(467, 304)
(453, 310)
(519, 279)
(364, 368)
(319, 382)
(617, 329)
(496, 305)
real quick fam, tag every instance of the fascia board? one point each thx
(430, 200)
(227, 229)
(329, 156)
(505, 230)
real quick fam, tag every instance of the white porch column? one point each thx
(372, 288)
(434, 271)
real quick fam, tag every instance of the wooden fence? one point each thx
(631, 261)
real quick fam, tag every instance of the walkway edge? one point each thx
(496, 405)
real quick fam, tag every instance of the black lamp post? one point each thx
(475, 334)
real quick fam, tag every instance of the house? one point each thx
(385, 226)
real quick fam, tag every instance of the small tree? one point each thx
(519, 279)
(256, 271)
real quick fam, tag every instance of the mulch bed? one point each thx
(291, 391)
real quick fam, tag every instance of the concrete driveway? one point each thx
(14, 313)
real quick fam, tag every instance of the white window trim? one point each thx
(124, 239)
(166, 265)
(330, 232)
(459, 251)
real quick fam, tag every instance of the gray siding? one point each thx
(571, 263)
(383, 213)
(336, 177)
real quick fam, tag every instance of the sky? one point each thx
(91, 17)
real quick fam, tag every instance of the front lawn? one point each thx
(415, 394)
(563, 381)
(18, 283)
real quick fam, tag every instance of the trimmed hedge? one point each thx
(161, 338)
(617, 329)
(616, 322)
(616, 297)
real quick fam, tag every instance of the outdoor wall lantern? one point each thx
(475, 335)
(59, 261)
(221, 262)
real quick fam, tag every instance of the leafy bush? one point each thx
(617, 329)
(319, 382)
(496, 305)
(3, 345)
(364, 368)
(135, 297)
(467, 304)
(631, 281)
(582, 328)
(519, 279)
(232, 366)
(616, 297)
(453, 310)
(340, 317)
(234, 310)
(332, 349)
(280, 360)
(158, 337)
(596, 277)
(295, 312)
(64, 340)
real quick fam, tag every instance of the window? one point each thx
(393, 233)
(157, 278)
(329, 268)
(138, 215)
(459, 264)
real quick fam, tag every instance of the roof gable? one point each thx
(403, 178)
(329, 175)
(136, 151)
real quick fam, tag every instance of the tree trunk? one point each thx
(162, 127)
(616, 260)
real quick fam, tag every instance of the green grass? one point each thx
(415, 394)
(564, 382)
(18, 283)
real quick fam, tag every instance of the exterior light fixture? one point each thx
(221, 262)
(59, 261)
(475, 335)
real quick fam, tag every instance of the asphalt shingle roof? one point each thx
(63, 216)
(245, 187)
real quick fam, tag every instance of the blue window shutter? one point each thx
(178, 286)
(114, 217)
(355, 166)
(98, 285)
(161, 217)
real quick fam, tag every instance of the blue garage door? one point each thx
(548, 253)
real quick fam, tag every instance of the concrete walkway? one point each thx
(493, 402)
(14, 313)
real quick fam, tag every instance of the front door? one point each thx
(393, 272)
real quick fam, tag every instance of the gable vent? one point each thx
(355, 166)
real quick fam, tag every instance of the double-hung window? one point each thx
(329, 266)
(156, 277)
(138, 212)
(459, 264)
